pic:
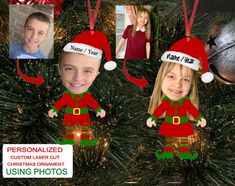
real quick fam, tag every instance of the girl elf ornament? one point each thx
(175, 94)
(79, 65)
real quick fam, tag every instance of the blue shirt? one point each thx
(18, 51)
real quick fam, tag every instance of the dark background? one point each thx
(125, 154)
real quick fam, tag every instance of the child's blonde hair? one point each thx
(147, 26)
(157, 94)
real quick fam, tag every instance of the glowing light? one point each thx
(20, 110)
(106, 144)
(78, 133)
(60, 33)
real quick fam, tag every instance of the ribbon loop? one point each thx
(188, 25)
(92, 18)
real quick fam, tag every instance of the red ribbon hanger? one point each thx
(188, 25)
(92, 18)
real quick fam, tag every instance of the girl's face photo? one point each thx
(35, 32)
(142, 19)
(177, 83)
(78, 72)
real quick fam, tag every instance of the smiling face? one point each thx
(177, 82)
(142, 19)
(35, 32)
(78, 71)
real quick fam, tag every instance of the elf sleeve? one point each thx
(191, 109)
(93, 103)
(60, 103)
(159, 110)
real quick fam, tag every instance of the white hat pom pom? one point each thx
(207, 77)
(110, 65)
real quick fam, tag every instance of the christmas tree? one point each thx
(125, 153)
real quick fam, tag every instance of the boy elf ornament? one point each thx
(175, 94)
(78, 67)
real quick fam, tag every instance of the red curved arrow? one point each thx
(140, 82)
(37, 81)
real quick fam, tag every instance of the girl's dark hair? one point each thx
(39, 16)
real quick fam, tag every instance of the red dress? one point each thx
(176, 110)
(136, 46)
(78, 101)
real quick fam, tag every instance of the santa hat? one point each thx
(91, 43)
(189, 52)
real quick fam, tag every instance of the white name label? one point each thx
(84, 50)
(180, 58)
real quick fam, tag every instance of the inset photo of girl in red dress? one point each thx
(133, 32)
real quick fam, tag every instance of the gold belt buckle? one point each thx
(176, 118)
(75, 111)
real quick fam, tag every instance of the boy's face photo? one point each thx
(78, 71)
(35, 32)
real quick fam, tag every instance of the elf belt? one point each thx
(176, 119)
(76, 111)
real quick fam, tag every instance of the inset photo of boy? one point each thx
(31, 31)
